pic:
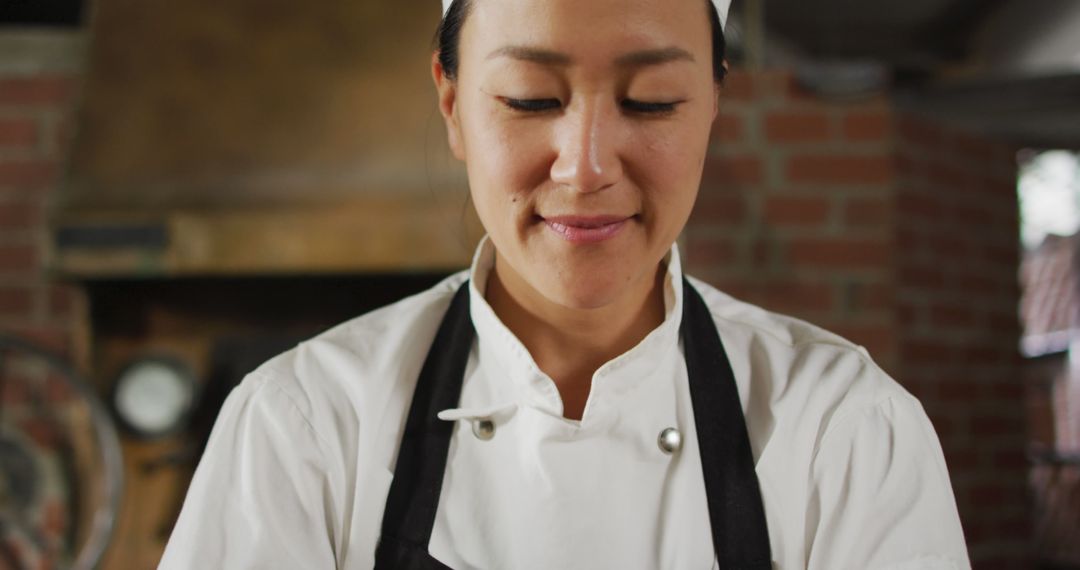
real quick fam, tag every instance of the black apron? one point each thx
(736, 513)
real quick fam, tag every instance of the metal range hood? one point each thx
(1005, 69)
(258, 137)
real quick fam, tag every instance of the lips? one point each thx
(586, 229)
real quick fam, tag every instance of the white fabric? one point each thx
(721, 9)
(301, 458)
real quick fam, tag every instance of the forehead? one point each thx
(587, 29)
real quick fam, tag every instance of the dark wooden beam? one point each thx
(1040, 112)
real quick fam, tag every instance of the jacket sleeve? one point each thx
(881, 496)
(260, 495)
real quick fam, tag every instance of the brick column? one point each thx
(36, 100)
(795, 208)
(958, 303)
(901, 236)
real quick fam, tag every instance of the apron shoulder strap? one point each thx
(736, 511)
(413, 498)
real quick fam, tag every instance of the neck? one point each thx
(570, 344)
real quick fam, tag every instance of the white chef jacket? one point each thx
(299, 463)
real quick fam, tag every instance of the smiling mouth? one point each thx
(586, 229)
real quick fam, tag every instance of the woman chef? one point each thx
(573, 401)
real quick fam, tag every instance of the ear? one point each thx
(447, 93)
(716, 90)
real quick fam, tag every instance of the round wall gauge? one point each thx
(154, 396)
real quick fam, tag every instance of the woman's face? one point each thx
(583, 125)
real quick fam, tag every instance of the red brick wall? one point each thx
(795, 208)
(34, 110)
(900, 235)
(958, 302)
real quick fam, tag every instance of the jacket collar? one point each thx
(514, 378)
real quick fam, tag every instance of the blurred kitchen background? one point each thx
(187, 190)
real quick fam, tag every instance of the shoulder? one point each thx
(323, 419)
(796, 372)
(361, 371)
(377, 342)
(838, 444)
(782, 329)
(786, 340)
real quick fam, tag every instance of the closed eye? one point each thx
(629, 105)
(649, 108)
(531, 105)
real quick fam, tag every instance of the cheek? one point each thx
(493, 182)
(668, 165)
(506, 159)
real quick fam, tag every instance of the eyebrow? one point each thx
(653, 57)
(535, 55)
(633, 59)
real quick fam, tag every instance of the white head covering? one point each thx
(721, 9)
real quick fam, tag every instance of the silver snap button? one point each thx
(670, 440)
(483, 429)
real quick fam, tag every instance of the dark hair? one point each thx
(449, 35)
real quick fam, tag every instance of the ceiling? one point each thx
(905, 32)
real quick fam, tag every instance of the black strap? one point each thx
(418, 475)
(736, 512)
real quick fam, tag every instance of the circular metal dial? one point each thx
(153, 396)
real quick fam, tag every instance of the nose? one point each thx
(587, 145)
